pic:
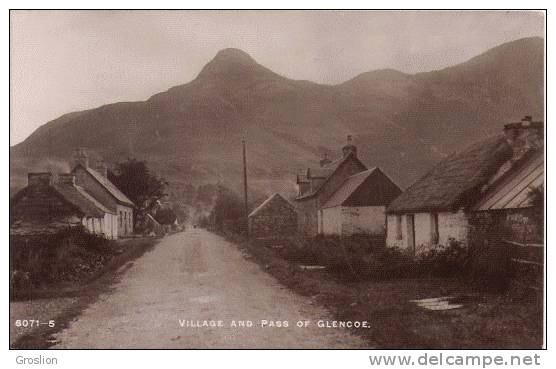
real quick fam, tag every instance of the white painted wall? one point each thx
(110, 227)
(332, 220)
(350, 220)
(450, 226)
(453, 225)
(364, 219)
(106, 226)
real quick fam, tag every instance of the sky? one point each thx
(64, 61)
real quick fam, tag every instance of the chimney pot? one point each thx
(102, 168)
(81, 158)
(66, 178)
(349, 147)
(325, 160)
(39, 179)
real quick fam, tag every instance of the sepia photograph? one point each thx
(277, 179)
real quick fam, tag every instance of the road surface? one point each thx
(198, 276)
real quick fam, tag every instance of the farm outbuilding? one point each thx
(274, 218)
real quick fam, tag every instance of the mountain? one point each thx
(401, 122)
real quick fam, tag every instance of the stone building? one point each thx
(46, 207)
(274, 218)
(97, 184)
(316, 185)
(491, 178)
(359, 205)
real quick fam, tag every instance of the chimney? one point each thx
(66, 178)
(350, 147)
(325, 160)
(39, 179)
(524, 136)
(81, 158)
(102, 168)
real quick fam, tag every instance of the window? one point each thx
(399, 235)
(434, 228)
(121, 218)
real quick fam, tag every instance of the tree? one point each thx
(134, 179)
(227, 207)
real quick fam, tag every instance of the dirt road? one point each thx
(198, 276)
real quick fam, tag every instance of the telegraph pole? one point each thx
(245, 189)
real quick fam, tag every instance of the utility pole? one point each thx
(245, 190)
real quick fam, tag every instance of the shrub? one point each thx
(443, 261)
(68, 255)
(366, 257)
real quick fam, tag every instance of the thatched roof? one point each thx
(456, 181)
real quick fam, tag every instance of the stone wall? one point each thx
(519, 225)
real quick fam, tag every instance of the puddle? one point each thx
(312, 267)
(437, 303)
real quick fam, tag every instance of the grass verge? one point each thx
(493, 321)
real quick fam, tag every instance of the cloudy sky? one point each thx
(63, 61)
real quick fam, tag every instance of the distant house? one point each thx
(275, 217)
(359, 204)
(343, 196)
(97, 184)
(316, 185)
(493, 174)
(45, 207)
(147, 224)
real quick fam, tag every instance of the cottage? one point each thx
(275, 217)
(317, 185)
(45, 207)
(359, 204)
(495, 173)
(97, 184)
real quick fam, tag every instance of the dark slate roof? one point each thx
(76, 198)
(95, 202)
(273, 198)
(110, 187)
(368, 188)
(330, 169)
(456, 181)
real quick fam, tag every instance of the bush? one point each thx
(68, 255)
(366, 257)
(443, 261)
(359, 256)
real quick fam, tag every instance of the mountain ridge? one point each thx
(402, 122)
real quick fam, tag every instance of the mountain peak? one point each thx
(233, 64)
(233, 55)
